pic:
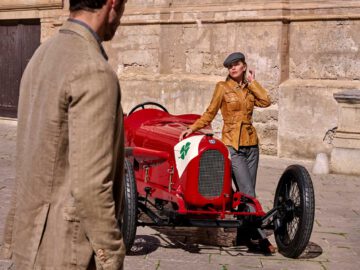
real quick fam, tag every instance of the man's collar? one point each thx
(89, 30)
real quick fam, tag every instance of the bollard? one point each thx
(345, 156)
(321, 165)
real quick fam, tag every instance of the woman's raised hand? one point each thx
(251, 75)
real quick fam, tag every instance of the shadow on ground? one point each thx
(144, 244)
(201, 240)
(312, 251)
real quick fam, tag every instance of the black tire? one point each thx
(295, 218)
(128, 223)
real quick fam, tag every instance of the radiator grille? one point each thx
(211, 174)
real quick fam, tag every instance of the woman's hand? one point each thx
(185, 133)
(251, 75)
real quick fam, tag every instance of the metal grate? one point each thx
(211, 175)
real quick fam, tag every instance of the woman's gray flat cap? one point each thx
(234, 57)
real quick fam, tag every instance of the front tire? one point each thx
(128, 222)
(294, 221)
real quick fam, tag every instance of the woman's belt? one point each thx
(242, 121)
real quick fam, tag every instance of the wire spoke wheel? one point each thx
(295, 200)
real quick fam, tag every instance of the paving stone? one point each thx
(136, 263)
(333, 265)
(290, 264)
(243, 259)
(165, 265)
(178, 255)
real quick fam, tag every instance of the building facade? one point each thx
(171, 51)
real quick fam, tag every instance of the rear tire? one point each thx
(128, 222)
(295, 219)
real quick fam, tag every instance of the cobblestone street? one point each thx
(335, 241)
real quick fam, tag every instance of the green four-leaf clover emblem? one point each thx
(184, 150)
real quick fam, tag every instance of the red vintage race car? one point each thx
(189, 183)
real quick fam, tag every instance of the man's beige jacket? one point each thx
(236, 104)
(69, 159)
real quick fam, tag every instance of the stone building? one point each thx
(171, 51)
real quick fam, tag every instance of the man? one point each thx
(70, 149)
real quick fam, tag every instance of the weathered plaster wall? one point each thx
(324, 58)
(307, 110)
(171, 51)
(326, 50)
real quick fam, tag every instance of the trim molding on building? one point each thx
(286, 11)
(9, 5)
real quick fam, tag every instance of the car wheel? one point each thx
(295, 201)
(128, 220)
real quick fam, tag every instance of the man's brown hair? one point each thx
(89, 5)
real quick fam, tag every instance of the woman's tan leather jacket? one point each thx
(236, 103)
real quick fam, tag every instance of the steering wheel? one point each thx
(142, 105)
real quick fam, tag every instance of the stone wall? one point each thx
(323, 60)
(171, 51)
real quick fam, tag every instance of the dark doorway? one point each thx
(18, 41)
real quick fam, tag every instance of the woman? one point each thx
(236, 98)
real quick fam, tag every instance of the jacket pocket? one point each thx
(80, 250)
(231, 97)
(232, 103)
(73, 233)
